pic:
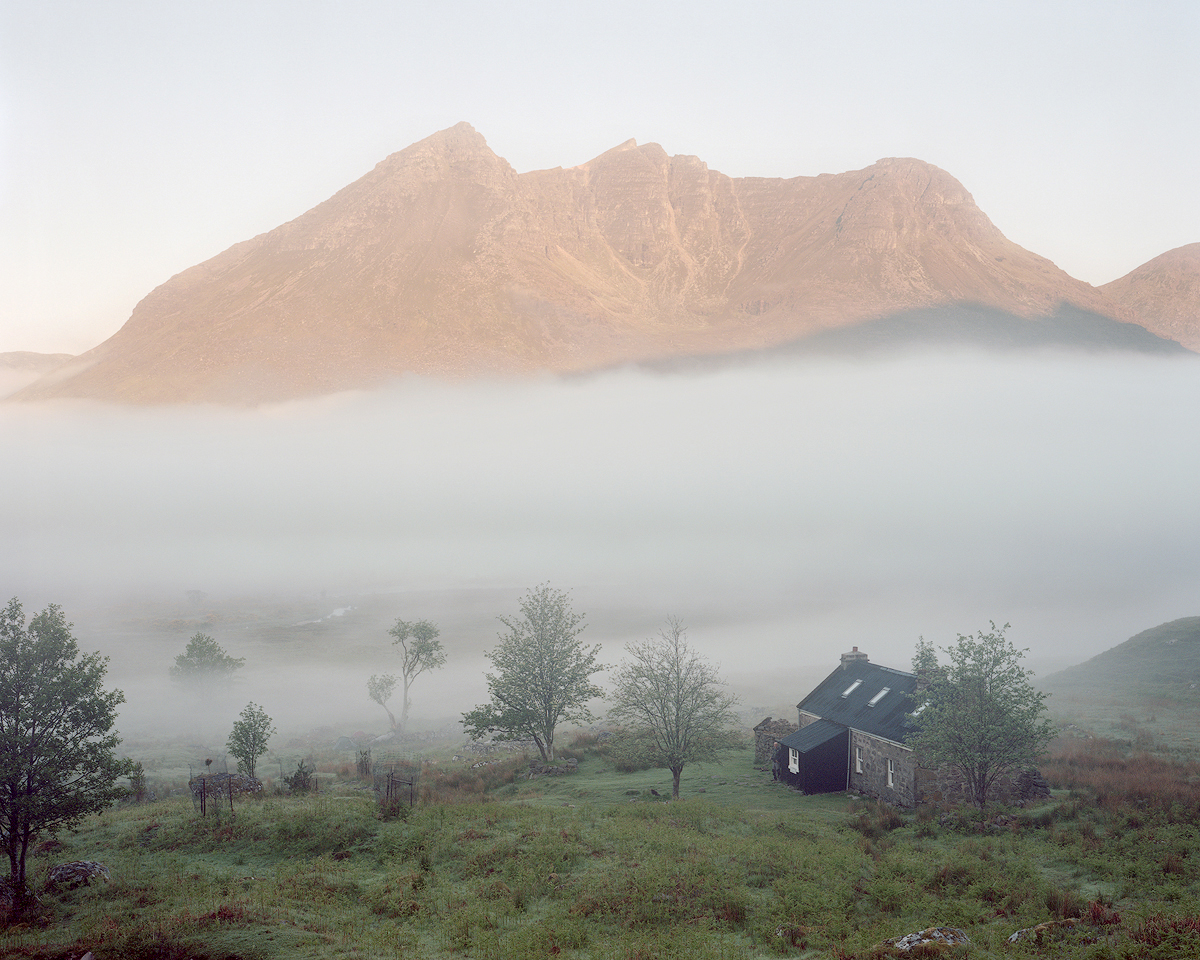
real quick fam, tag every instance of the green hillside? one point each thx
(1145, 690)
(1165, 657)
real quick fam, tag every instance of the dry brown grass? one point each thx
(1118, 775)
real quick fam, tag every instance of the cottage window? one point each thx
(793, 760)
(879, 696)
(891, 773)
(858, 759)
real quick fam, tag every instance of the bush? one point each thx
(875, 818)
(302, 780)
(631, 751)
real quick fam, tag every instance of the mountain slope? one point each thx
(444, 261)
(1166, 656)
(1164, 295)
(19, 368)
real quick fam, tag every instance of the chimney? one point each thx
(854, 656)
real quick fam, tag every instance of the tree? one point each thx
(542, 674)
(248, 741)
(380, 689)
(57, 760)
(420, 651)
(670, 692)
(204, 662)
(982, 716)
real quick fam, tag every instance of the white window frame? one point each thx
(891, 773)
(879, 696)
(793, 760)
(858, 763)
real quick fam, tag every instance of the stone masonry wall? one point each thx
(765, 735)
(947, 786)
(873, 781)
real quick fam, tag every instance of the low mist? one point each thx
(785, 511)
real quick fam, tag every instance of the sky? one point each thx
(785, 511)
(140, 138)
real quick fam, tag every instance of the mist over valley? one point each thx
(786, 510)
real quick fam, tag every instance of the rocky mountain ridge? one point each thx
(445, 261)
(1163, 295)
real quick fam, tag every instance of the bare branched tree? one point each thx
(670, 693)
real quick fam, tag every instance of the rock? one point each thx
(76, 873)
(1031, 786)
(931, 936)
(1035, 933)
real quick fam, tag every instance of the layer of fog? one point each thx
(786, 512)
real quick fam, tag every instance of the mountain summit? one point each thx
(443, 260)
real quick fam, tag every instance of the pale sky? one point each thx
(140, 138)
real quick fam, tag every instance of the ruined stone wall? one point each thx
(873, 781)
(946, 785)
(765, 735)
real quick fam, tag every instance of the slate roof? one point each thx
(833, 700)
(813, 735)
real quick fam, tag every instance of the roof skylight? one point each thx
(879, 696)
(850, 689)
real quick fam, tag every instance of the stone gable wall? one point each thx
(765, 735)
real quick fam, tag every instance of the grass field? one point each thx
(490, 864)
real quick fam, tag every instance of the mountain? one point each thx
(1164, 295)
(19, 368)
(445, 261)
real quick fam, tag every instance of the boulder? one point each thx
(1035, 934)
(76, 873)
(937, 938)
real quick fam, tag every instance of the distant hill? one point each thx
(1164, 295)
(1166, 657)
(955, 326)
(21, 368)
(443, 260)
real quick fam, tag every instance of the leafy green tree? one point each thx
(420, 651)
(204, 662)
(380, 689)
(670, 692)
(981, 715)
(542, 674)
(249, 738)
(57, 760)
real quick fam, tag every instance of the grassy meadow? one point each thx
(491, 864)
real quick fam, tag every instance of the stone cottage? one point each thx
(853, 732)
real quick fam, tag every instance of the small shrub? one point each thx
(1065, 904)
(1101, 915)
(394, 808)
(632, 751)
(875, 818)
(302, 780)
